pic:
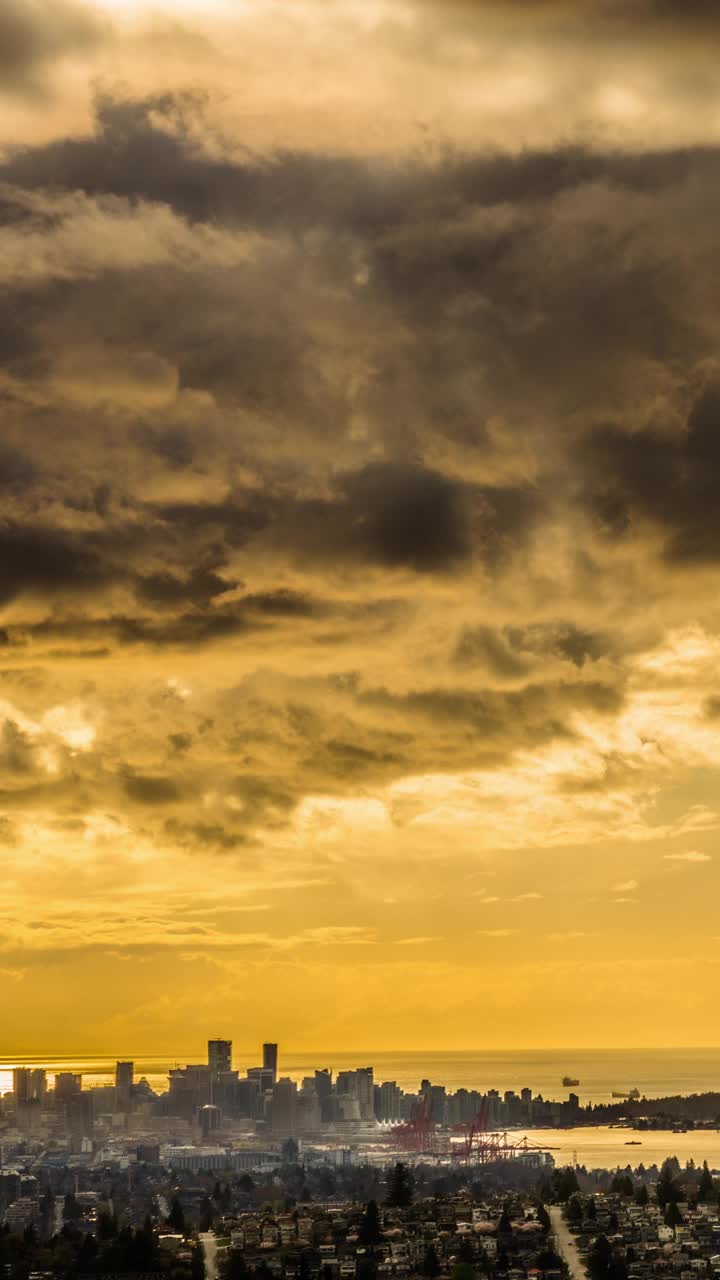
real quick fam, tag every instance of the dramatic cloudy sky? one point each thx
(360, 523)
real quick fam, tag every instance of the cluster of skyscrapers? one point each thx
(213, 1092)
(211, 1102)
(71, 1106)
(212, 1095)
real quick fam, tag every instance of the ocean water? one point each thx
(655, 1072)
(607, 1148)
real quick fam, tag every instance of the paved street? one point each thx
(209, 1244)
(565, 1244)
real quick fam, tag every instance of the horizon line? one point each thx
(166, 1053)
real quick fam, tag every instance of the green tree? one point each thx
(622, 1184)
(430, 1263)
(705, 1188)
(370, 1233)
(326, 1184)
(197, 1262)
(642, 1196)
(206, 1215)
(565, 1184)
(176, 1217)
(235, 1267)
(71, 1209)
(504, 1226)
(463, 1271)
(666, 1189)
(600, 1258)
(673, 1216)
(107, 1226)
(465, 1252)
(401, 1186)
(366, 1268)
(574, 1211)
(87, 1254)
(548, 1260)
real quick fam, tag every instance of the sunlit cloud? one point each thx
(417, 942)
(358, 467)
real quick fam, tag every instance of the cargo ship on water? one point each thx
(569, 1082)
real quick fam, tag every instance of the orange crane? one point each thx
(419, 1134)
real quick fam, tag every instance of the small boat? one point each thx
(627, 1095)
(634, 1142)
(569, 1082)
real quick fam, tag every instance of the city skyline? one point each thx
(359, 534)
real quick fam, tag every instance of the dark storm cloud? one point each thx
(151, 789)
(525, 283)
(16, 752)
(204, 835)
(36, 33)
(173, 444)
(607, 18)
(325, 732)
(236, 519)
(166, 590)
(512, 652)
(485, 711)
(542, 310)
(184, 630)
(350, 758)
(408, 515)
(669, 477)
(392, 403)
(284, 604)
(133, 155)
(554, 303)
(498, 723)
(47, 560)
(490, 648)
(391, 513)
(16, 470)
(206, 622)
(691, 13)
